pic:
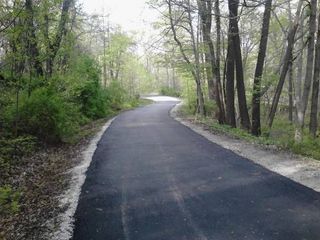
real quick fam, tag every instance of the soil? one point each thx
(42, 178)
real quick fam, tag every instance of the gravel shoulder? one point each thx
(303, 170)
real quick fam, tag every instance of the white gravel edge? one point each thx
(70, 198)
(305, 171)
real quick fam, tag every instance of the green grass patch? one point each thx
(281, 135)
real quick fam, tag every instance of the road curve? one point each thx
(152, 178)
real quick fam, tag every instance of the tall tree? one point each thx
(256, 125)
(61, 31)
(205, 12)
(230, 109)
(237, 57)
(195, 68)
(303, 104)
(315, 87)
(32, 40)
(286, 64)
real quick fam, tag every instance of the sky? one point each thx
(131, 15)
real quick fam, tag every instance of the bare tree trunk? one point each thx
(290, 93)
(256, 96)
(298, 97)
(315, 88)
(218, 57)
(310, 59)
(201, 109)
(243, 109)
(205, 12)
(285, 67)
(302, 104)
(230, 109)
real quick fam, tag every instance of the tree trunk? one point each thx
(310, 59)
(230, 110)
(256, 124)
(315, 88)
(55, 45)
(234, 31)
(218, 55)
(195, 67)
(290, 93)
(298, 97)
(32, 41)
(201, 107)
(285, 67)
(302, 102)
(205, 13)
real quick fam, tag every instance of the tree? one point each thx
(286, 64)
(205, 12)
(237, 58)
(256, 125)
(315, 87)
(195, 68)
(54, 45)
(302, 105)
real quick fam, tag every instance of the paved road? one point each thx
(152, 178)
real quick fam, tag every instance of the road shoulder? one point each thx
(303, 170)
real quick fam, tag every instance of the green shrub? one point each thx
(169, 91)
(211, 108)
(9, 200)
(84, 86)
(308, 147)
(48, 115)
(116, 96)
(93, 101)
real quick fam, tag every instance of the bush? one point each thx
(116, 96)
(84, 86)
(308, 147)
(93, 101)
(169, 91)
(48, 116)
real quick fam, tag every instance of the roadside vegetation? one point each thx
(248, 68)
(63, 73)
(281, 137)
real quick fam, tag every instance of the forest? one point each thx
(249, 68)
(251, 65)
(61, 70)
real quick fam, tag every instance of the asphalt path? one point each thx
(152, 178)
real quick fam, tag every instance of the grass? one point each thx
(281, 135)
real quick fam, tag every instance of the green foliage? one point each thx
(116, 95)
(9, 200)
(308, 147)
(93, 101)
(169, 91)
(281, 135)
(48, 115)
(189, 108)
(89, 94)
